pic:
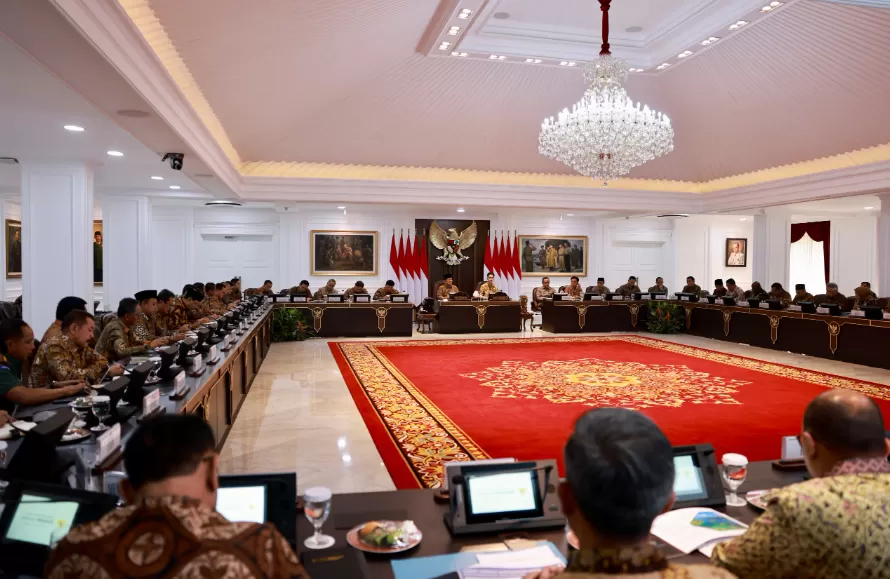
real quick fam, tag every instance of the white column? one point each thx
(57, 238)
(126, 240)
(772, 247)
(881, 284)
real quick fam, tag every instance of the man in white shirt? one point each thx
(734, 291)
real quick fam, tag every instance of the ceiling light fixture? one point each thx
(743, 219)
(738, 25)
(570, 214)
(175, 187)
(663, 66)
(74, 128)
(568, 63)
(533, 60)
(637, 69)
(604, 136)
(157, 178)
(684, 54)
(772, 6)
(341, 206)
(222, 203)
(869, 207)
(497, 57)
(461, 54)
(445, 46)
(454, 31)
(461, 210)
(710, 40)
(115, 154)
(465, 14)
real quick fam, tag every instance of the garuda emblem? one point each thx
(451, 243)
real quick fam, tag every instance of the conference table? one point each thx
(356, 320)
(216, 395)
(844, 338)
(349, 510)
(477, 316)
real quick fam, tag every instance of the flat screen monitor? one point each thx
(260, 498)
(399, 298)
(37, 515)
(36, 459)
(138, 376)
(502, 492)
(696, 478)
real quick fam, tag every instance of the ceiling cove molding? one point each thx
(114, 33)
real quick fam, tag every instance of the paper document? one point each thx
(693, 528)
(511, 564)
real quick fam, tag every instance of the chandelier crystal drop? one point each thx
(605, 135)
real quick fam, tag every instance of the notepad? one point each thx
(696, 528)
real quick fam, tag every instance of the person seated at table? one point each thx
(691, 287)
(862, 297)
(619, 476)
(389, 289)
(66, 305)
(834, 525)
(869, 294)
(16, 345)
(301, 290)
(118, 340)
(757, 292)
(68, 358)
(778, 293)
(488, 287)
(265, 289)
(801, 294)
(211, 299)
(832, 296)
(574, 288)
(734, 291)
(659, 287)
(170, 526)
(719, 290)
(358, 288)
(542, 293)
(146, 327)
(191, 304)
(599, 289)
(328, 289)
(447, 288)
(171, 317)
(629, 289)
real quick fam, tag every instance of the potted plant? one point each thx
(665, 318)
(290, 325)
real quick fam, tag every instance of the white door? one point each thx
(643, 260)
(223, 257)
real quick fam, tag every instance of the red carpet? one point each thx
(427, 402)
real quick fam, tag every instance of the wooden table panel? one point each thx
(358, 320)
(469, 317)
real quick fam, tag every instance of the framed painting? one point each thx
(13, 249)
(343, 252)
(553, 255)
(97, 253)
(736, 252)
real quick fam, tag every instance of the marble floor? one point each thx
(299, 415)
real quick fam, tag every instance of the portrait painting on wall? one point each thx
(343, 252)
(736, 252)
(97, 253)
(13, 248)
(564, 255)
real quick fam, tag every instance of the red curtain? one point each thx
(818, 231)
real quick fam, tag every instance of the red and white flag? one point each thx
(400, 274)
(394, 256)
(424, 269)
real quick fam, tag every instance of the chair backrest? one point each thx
(7, 311)
(523, 303)
(851, 303)
(427, 305)
(883, 302)
(102, 321)
(818, 299)
(436, 287)
(747, 293)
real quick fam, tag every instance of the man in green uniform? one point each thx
(386, 291)
(691, 287)
(118, 340)
(630, 288)
(358, 288)
(599, 289)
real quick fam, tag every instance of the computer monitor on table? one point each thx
(36, 458)
(258, 498)
(697, 481)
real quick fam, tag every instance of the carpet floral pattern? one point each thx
(429, 402)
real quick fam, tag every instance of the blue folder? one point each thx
(438, 565)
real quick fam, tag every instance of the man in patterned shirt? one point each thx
(542, 293)
(118, 340)
(328, 289)
(192, 303)
(69, 357)
(171, 317)
(66, 306)
(630, 288)
(214, 304)
(834, 525)
(170, 526)
(802, 294)
(574, 288)
(599, 289)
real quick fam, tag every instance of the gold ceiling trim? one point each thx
(148, 24)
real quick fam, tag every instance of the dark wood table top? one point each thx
(350, 510)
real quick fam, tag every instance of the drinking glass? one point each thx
(101, 410)
(317, 507)
(735, 470)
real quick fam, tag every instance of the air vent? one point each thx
(222, 203)
(133, 114)
(8, 161)
(203, 175)
(674, 215)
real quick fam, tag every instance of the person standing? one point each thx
(528, 257)
(97, 257)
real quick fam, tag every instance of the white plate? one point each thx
(755, 498)
(24, 425)
(412, 536)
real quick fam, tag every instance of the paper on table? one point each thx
(690, 529)
(511, 564)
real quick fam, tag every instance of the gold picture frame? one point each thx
(327, 250)
(98, 265)
(554, 265)
(13, 249)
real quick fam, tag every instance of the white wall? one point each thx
(853, 254)
(700, 250)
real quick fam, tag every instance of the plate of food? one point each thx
(75, 434)
(83, 403)
(757, 499)
(385, 536)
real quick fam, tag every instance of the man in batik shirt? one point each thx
(118, 340)
(542, 293)
(69, 357)
(599, 289)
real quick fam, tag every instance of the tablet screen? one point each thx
(508, 492)
(41, 520)
(689, 484)
(242, 504)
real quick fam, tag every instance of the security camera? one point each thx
(175, 160)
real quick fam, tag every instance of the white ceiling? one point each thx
(852, 206)
(34, 107)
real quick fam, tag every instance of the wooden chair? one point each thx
(425, 315)
(851, 303)
(818, 299)
(883, 302)
(436, 287)
(525, 315)
(536, 307)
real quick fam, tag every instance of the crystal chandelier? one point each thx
(605, 135)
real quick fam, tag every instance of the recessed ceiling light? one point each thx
(570, 214)
(533, 60)
(461, 54)
(497, 57)
(465, 14)
(454, 31)
(222, 203)
(501, 15)
(445, 46)
(157, 177)
(743, 219)
(684, 54)
(636, 69)
(115, 154)
(341, 206)
(460, 209)
(662, 66)
(772, 6)
(568, 63)
(710, 40)
(175, 187)
(74, 128)
(869, 207)
(738, 25)
(634, 29)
